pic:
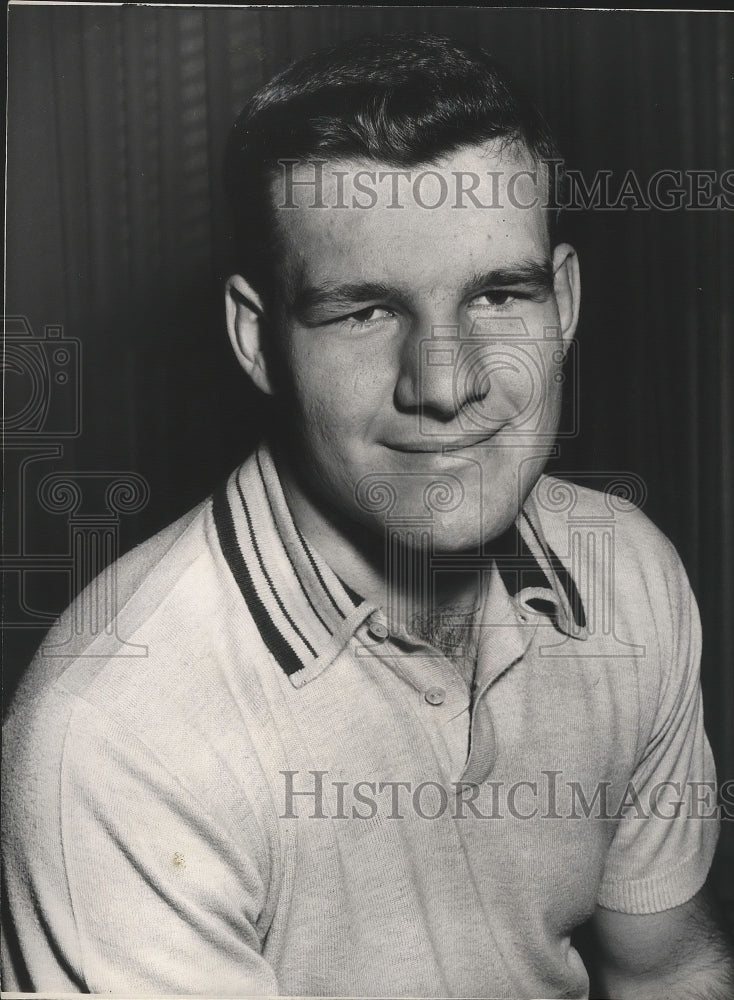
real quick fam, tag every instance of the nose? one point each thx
(431, 379)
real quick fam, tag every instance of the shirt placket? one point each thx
(507, 630)
(441, 696)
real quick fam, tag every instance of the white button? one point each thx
(378, 630)
(435, 696)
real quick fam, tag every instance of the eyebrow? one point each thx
(534, 275)
(310, 297)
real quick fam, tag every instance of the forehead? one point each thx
(477, 208)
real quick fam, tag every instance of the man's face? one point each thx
(422, 347)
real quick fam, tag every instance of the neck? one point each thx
(437, 608)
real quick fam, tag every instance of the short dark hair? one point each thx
(402, 100)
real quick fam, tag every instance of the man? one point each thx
(399, 731)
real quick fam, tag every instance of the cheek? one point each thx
(523, 387)
(325, 436)
(330, 431)
(338, 392)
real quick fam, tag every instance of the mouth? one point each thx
(441, 446)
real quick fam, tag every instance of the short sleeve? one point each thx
(665, 840)
(146, 892)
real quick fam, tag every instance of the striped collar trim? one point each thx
(305, 614)
(302, 610)
(535, 576)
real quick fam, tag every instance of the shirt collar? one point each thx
(306, 615)
(534, 574)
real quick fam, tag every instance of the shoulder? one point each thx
(119, 645)
(641, 615)
(607, 521)
(119, 600)
(627, 569)
(155, 689)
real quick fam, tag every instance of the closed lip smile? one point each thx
(440, 446)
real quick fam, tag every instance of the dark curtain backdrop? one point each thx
(118, 233)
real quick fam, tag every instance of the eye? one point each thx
(498, 298)
(371, 315)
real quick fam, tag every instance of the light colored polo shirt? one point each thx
(248, 785)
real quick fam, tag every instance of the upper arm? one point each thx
(684, 947)
(140, 887)
(664, 842)
(656, 930)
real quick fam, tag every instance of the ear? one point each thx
(567, 288)
(245, 327)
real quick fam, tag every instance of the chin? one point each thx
(451, 504)
(464, 529)
(450, 537)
